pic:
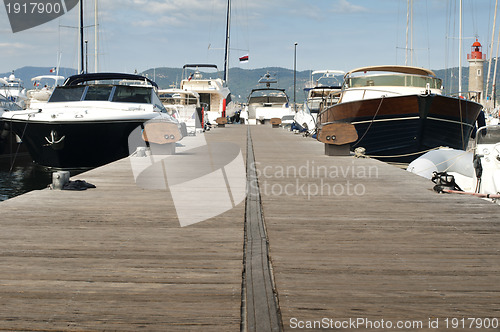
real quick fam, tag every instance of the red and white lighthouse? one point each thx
(476, 60)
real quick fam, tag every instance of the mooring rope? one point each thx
(370, 125)
(19, 145)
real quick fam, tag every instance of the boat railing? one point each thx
(488, 135)
(8, 105)
(469, 95)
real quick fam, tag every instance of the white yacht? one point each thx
(213, 91)
(41, 94)
(324, 84)
(87, 121)
(185, 106)
(9, 142)
(266, 103)
(13, 89)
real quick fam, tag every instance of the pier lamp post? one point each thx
(295, 76)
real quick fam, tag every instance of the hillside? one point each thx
(241, 81)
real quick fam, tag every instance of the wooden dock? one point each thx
(346, 239)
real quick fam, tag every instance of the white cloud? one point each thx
(344, 6)
(6, 46)
(12, 48)
(172, 12)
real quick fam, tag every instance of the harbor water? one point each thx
(21, 176)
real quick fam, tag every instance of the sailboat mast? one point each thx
(460, 52)
(226, 53)
(493, 87)
(81, 68)
(409, 32)
(491, 50)
(96, 39)
(59, 55)
(407, 26)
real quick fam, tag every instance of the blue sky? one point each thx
(331, 34)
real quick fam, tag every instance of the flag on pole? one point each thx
(244, 58)
(52, 70)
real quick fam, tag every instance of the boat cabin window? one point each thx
(177, 99)
(268, 97)
(98, 92)
(395, 80)
(319, 93)
(489, 135)
(132, 94)
(205, 99)
(269, 100)
(67, 93)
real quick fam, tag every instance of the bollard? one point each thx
(59, 179)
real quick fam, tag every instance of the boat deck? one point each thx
(320, 240)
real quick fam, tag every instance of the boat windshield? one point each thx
(132, 94)
(489, 135)
(98, 92)
(268, 97)
(67, 93)
(395, 80)
(102, 92)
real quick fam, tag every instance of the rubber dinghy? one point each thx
(475, 172)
